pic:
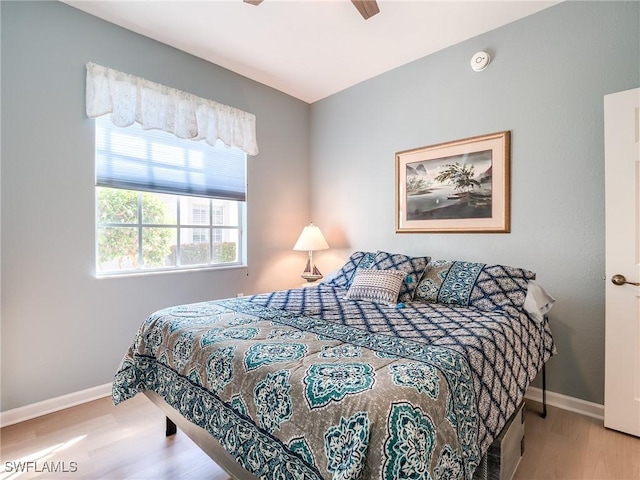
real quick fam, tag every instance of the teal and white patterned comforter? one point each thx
(302, 384)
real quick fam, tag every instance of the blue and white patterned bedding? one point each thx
(305, 384)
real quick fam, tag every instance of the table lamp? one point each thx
(310, 240)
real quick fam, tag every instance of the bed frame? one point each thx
(200, 437)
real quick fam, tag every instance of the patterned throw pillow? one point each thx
(500, 286)
(380, 286)
(448, 282)
(413, 267)
(487, 287)
(343, 277)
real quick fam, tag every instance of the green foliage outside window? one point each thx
(198, 253)
(225, 252)
(121, 243)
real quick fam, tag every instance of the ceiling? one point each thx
(309, 49)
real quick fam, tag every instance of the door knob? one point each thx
(620, 280)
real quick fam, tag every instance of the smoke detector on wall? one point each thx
(480, 61)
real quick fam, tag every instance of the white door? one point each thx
(622, 185)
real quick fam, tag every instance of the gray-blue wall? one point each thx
(63, 330)
(546, 84)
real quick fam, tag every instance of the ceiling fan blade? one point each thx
(253, 2)
(367, 8)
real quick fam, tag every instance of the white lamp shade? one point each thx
(311, 239)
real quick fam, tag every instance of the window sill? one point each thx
(141, 273)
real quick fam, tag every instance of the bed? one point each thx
(372, 374)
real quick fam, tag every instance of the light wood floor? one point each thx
(128, 442)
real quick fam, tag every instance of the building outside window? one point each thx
(200, 216)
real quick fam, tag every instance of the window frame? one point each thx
(139, 225)
(105, 135)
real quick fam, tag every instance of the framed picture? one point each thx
(455, 187)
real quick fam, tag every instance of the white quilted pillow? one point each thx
(538, 302)
(380, 286)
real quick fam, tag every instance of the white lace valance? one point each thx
(133, 99)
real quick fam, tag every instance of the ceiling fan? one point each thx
(367, 8)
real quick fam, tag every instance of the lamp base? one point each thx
(311, 278)
(311, 273)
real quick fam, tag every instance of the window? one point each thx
(200, 213)
(218, 215)
(163, 203)
(217, 219)
(200, 235)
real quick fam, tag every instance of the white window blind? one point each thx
(156, 161)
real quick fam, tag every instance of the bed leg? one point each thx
(544, 391)
(171, 428)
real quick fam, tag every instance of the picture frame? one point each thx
(461, 186)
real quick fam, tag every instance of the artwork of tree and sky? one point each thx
(453, 187)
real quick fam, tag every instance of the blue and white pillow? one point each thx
(414, 268)
(501, 286)
(487, 287)
(449, 282)
(344, 276)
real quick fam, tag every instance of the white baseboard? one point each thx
(38, 409)
(590, 409)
